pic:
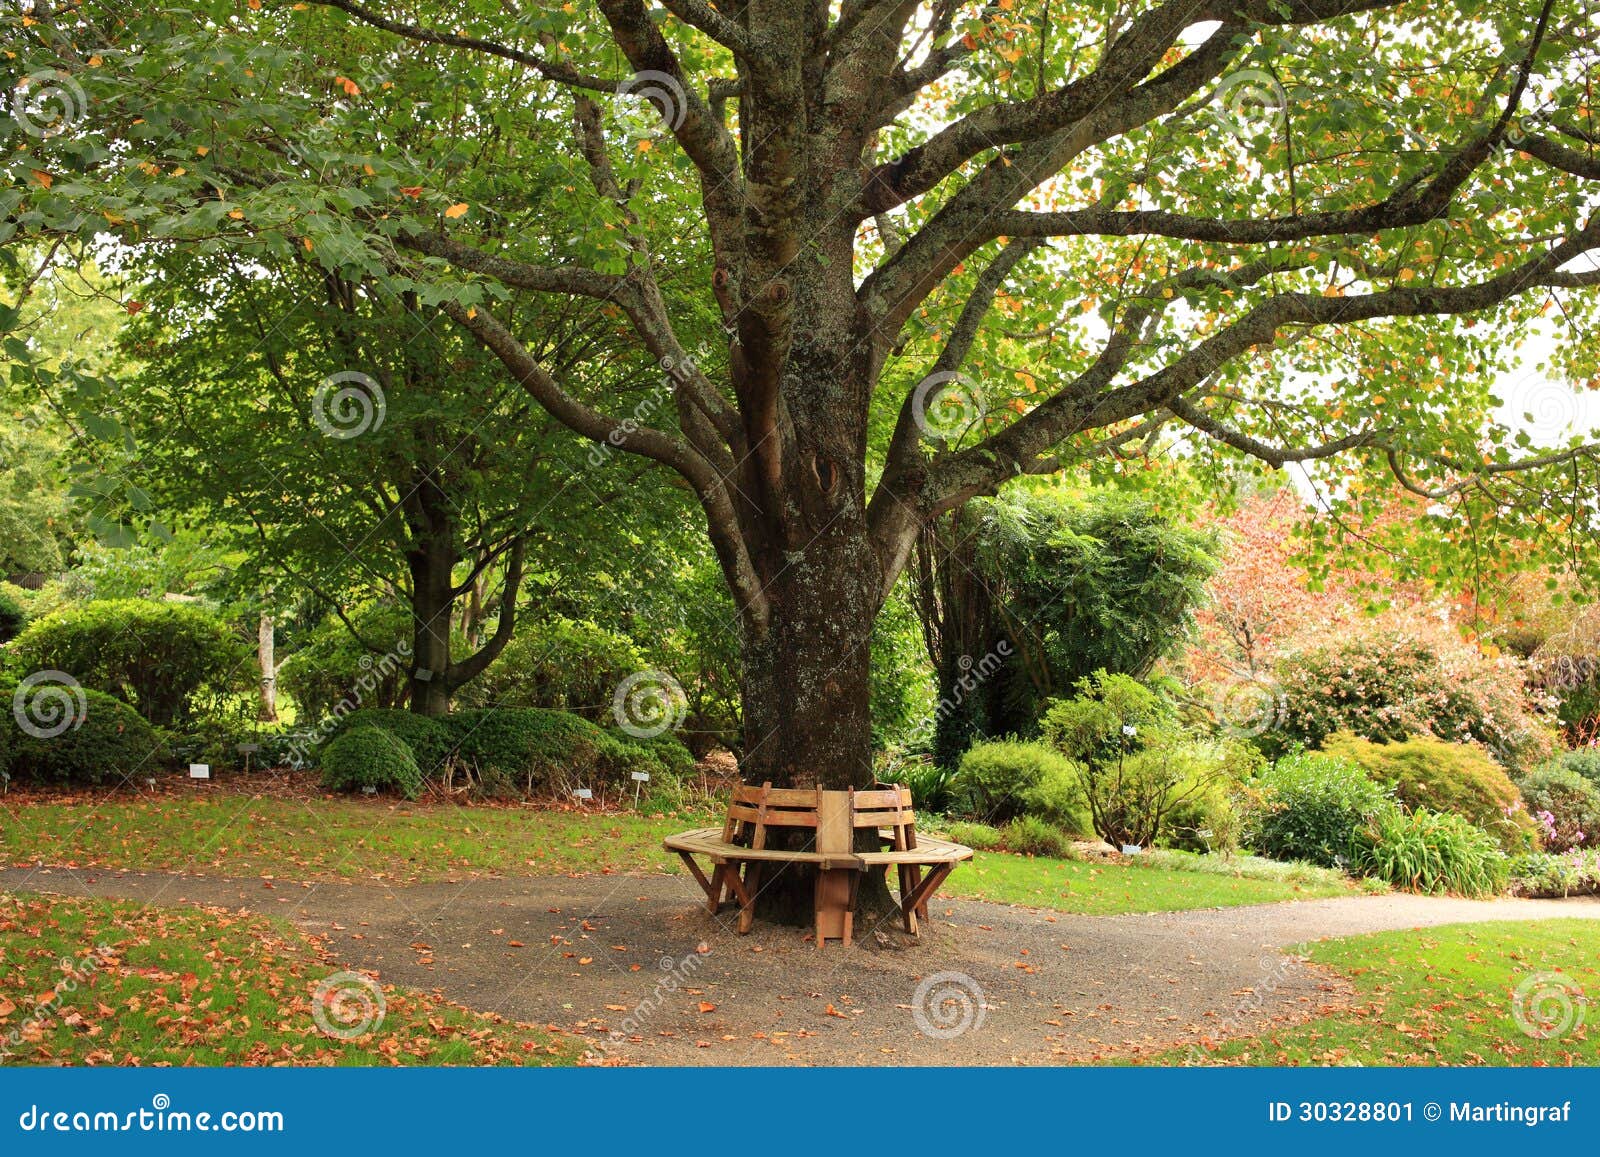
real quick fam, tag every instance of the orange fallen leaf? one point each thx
(707, 1006)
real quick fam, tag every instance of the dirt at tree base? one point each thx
(637, 966)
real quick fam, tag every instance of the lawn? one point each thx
(240, 835)
(1448, 996)
(94, 982)
(1106, 889)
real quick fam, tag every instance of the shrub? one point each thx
(1391, 686)
(371, 757)
(110, 742)
(1547, 874)
(1137, 767)
(559, 664)
(533, 750)
(933, 788)
(664, 756)
(1446, 777)
(12, 618)
(1431, 852)
(1008, 778)
(1207, 814)
(980, 837)
(162, 658)
(335, 667)
(429, 739)
(1031, 836)
(1566, 805)
(1310, 806)
(1585, 761)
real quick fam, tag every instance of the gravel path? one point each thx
(637, 964)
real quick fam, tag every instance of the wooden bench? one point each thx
(739, 853)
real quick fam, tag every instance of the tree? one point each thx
(1069, 584)
(356, 443)
(1018, 237)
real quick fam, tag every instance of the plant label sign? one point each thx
(199, 771)
(1131, 849)
(583, 793)
(641, 777)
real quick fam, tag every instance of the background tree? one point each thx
(1072, 584)
(858, 195)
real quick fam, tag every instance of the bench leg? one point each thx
(745, 890)
(917, 899)
(710, 887)
(752, 888)
(909, 878)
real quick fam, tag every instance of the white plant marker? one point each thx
(639, 777)
(199, 771)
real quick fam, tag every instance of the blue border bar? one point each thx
(812, 1111)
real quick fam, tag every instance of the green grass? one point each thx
(1106, 889)
(234, 835)
(92, 982)
(1445, 996)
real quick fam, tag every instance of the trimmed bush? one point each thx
(1206, 815)
(532, 750)
(164, 659)
(371, 757)
(111, 743)
(429, 739)
(558, 664)
(1031, 836)
(664, 755)
(1309, 807)
(1446, 777)
(980, 837)
(1431, 852)
(1006, 779)
(12, 618)
(1564, 804)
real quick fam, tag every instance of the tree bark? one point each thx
(266, 658)
(431, 561)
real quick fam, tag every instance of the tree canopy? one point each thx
(884, 256)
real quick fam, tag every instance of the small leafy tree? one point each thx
(1124, 736)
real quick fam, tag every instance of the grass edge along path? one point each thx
(1497, 993)
(95, 982)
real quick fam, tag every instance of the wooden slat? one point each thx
(801, 797)
(775, 817)
(878, 797)
(879, 817)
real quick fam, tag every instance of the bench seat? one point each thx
(738, 851)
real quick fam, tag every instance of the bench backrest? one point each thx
(834, 816)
